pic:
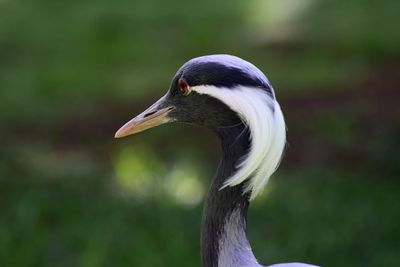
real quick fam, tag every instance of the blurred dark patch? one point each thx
(353, 128)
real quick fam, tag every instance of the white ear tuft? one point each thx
(264, 117)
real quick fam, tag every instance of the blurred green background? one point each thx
(72, 72)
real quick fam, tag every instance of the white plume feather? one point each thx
(263, 115)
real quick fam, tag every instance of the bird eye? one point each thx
(183, 87)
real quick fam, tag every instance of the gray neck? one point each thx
(224, 240)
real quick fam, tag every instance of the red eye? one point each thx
(183, 87)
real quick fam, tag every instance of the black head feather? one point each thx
(222, 71)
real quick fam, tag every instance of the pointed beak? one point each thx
(155, 115)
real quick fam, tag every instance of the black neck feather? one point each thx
(220, 204)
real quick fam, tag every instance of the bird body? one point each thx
(235, 99)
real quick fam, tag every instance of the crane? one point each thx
(233, 98)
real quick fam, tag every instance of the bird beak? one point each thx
(151, 117)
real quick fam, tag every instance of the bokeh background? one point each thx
(72, 72)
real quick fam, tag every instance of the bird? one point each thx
(234, 99)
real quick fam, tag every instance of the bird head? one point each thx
(217, 91)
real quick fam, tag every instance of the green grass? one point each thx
(312, 216)
(58, 57)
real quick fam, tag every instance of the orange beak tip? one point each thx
(149, 118)
(122, 132)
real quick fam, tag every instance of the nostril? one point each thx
(150, 113)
